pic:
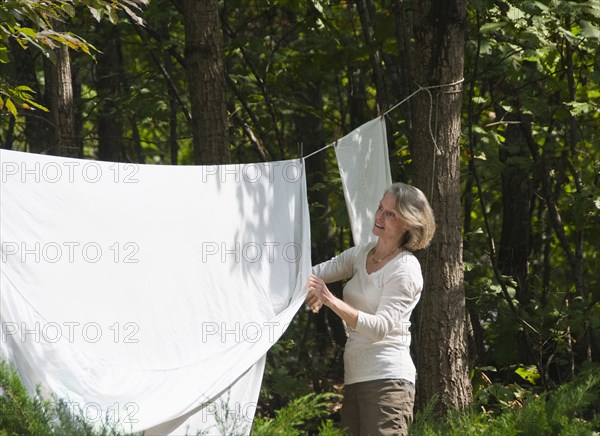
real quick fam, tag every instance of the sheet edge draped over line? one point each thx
(51, 202)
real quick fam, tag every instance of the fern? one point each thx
(570, 410)
(22, 414)
(293, 419)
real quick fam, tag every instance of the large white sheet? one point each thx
(150, 294)
(364, 167)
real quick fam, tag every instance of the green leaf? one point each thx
(10, 106)
(529, 373)
(136, 18)
(515, 14)
(590, 30)
(592, 8)
(489, 27)
(96, 12)
(577, 108)
(70, 10)
(112, 14)
(26, 31)
(35, 104)
(23, 88)
(4, 55)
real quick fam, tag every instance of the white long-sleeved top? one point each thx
(379, 347)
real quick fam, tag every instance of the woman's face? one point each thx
(388, 224)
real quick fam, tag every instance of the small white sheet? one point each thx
(364, 166)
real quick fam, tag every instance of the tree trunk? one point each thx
(438, 29)
(38, 125)
(310, 134)
(76, 80)
(357, 99)
(109, 73)
(173, 144)
(366, 12)
(513, 252)
(204, 65)
(59, 88)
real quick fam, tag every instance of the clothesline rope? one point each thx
(419, 89)
(423, 88)
(319, 150)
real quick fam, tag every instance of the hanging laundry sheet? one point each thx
(364, 166)
(147, 296)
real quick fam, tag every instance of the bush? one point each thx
(301, 416)
(22, 414)
(572, 409)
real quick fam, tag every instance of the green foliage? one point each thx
(34, 24)
(511, 410)
(31, 23)
(287, 374)
(532, 66)
(19, 413)
(18, 96)
(301, 416)
(22, 414)
(497, 410)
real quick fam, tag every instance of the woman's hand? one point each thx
(312, 301)
(318, 294)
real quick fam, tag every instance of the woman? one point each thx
(384, 287)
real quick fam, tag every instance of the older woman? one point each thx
(384, 287)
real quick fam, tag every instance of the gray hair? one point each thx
(415, 211)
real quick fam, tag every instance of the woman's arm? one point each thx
(401, 291)
(337, 268)
(319, 294)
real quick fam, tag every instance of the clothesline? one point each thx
(419, 89)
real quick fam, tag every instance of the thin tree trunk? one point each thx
(136, 142)
(572, 141)
(38, 124)
(513, 251)
(514, 248)
(77, 104)
(366, 11)
(173, 144)
(110, 73)
(204, 65)
(311, 136)
(357, 100)
(59, 89)
(403, 84)
(7, 144)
